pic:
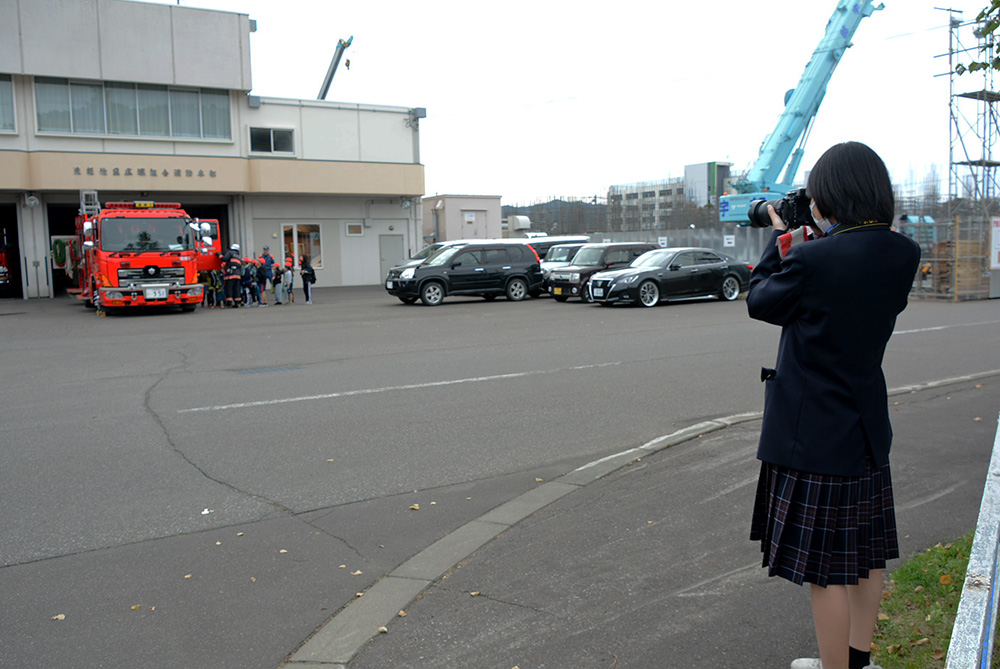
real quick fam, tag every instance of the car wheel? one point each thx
(517, 290)
(730, 288)
(585, 295)
(649, 294)
(407, 299)
(432, 293)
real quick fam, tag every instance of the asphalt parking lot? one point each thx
(216, 469)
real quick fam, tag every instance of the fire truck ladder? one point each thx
(89, 204)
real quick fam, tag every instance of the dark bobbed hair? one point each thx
(851, 184)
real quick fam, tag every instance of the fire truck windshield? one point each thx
(135, 235)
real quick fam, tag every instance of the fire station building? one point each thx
(151, 102)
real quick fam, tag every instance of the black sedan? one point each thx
(672, 274)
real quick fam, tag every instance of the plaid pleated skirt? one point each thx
(826, 530)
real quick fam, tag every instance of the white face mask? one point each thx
(821, 223)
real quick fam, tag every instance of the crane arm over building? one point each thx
(783, 149)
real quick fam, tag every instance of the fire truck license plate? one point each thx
(156, 293)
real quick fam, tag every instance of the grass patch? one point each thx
(918, 608)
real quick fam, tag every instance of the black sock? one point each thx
(858, 659)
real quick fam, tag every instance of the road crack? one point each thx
(147, 398)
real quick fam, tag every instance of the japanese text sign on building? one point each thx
(142, 172)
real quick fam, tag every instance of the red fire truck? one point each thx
(138, 254)
(210, 257)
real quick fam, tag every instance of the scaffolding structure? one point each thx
(955, 251)
(974, 127)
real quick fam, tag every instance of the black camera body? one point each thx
(793, 209)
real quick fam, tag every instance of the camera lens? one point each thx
(757, 213)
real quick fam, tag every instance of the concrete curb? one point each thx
(346, 634)
(342, 637)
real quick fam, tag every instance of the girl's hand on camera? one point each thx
(776, 221)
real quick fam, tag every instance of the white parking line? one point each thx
(386, 389)
(943, 327)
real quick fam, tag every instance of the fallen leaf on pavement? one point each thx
(61, 616)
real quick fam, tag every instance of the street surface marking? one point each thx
(943, 327)
(387, 389)
(930, 498)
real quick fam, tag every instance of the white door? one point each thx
(390, 251)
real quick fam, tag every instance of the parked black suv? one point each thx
(487, 269)
(571, 281)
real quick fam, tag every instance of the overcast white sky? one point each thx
(532, 99)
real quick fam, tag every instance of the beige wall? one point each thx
(463, 216)
(101, 171)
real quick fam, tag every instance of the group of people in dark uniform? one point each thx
(244, 281)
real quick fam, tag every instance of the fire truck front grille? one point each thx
(138, 275)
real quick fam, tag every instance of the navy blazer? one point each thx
(836, 299)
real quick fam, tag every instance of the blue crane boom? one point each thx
(782, 150)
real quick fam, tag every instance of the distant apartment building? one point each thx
(649, 205)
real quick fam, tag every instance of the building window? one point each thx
(122, 109)
(303, 239)
(215, 120)
(649, 193)
(271, 140)
(87, 107)
(126, 109)
(6, 102)
(52, 103)
(631, 196)
(185, 113)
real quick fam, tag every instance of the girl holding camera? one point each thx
(824, 507)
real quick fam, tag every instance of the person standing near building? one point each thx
(308, 277)
(232, 268)
(824, 507)
(279, 283)
(288, 280)
(260, 277)
(268, 261)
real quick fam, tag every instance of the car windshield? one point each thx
(589, 257)
(134, 234)
(656, 258)
(427, 251)
(560, 253)
(443, 256)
